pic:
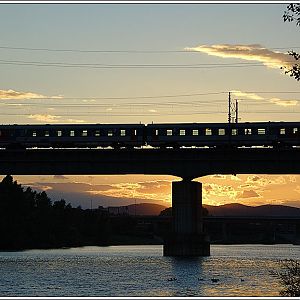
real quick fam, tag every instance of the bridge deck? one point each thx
(186, 163)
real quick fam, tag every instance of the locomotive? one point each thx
(175, 135)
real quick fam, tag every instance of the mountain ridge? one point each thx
(230, 209)
(237, 209)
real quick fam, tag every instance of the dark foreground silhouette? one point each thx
(28, 219)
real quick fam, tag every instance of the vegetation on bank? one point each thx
(289, 277)
(29, 219)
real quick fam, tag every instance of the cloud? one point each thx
(254, 96)
(283, 102)
(52, 118)
(235, 178)
(218, 176)
(15, 95)
(44, 118)
(75, 121)
(249, 194)
(152, 110)
(150, 190)
(258, 181)
(217, 190)
(79, 193)
(60, 177)
(251, 96)
(89, 100)
(252, 52)
(297, 189)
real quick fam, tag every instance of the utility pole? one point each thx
(236, 111)
(229, 107)
(232, 110)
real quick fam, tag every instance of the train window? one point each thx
(123, 132)
(72, 133)
(248, 131)
(182, 132)
(97, 133)
(135, 132)
(195, 132)
(261, 131)
(46, 133)
(33, 133)
(208, 131)
(169, 132)
(234, 131)
(59, 133)
(282, 131)
(156, 131)
(109, 132)
(84, 133)
(295, 130)
(221, 131)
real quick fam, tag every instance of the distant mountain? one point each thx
(141, 209)
(233, 209)
(236, 209)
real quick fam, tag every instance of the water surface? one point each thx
(238, 270)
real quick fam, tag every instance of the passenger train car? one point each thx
(173, 135)
(224, 134)
(72, 136)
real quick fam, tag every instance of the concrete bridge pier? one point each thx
(187, 237)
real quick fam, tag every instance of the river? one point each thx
(236, 270)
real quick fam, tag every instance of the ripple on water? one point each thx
(239, 270)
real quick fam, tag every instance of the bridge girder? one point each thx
(185, 163)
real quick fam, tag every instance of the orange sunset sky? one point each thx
(149, 63)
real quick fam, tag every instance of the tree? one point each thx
(289, 276)
(292, 14)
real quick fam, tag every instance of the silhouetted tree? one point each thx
(292, 14)
(289, 277)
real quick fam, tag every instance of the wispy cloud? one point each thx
(88, 100)
(148, 190)
(60, 177)
(253, 96)
(281, 102)
(53, 119)
(45, 118)
(253, 52)
(75, 121)
(15, 95)
(249, 194)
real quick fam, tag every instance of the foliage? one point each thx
(292, 14)
(28, 219)
(289, 276)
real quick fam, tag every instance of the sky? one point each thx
(131, 63)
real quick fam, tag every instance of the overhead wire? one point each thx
(85, 114)
(134, 51)
(127, 66)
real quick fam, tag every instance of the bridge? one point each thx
(187, 236)
(187, 163)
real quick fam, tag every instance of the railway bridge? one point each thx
(187, 237)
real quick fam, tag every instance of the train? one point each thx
(164, 135)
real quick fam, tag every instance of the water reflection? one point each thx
(188, 274)
(239, 270)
